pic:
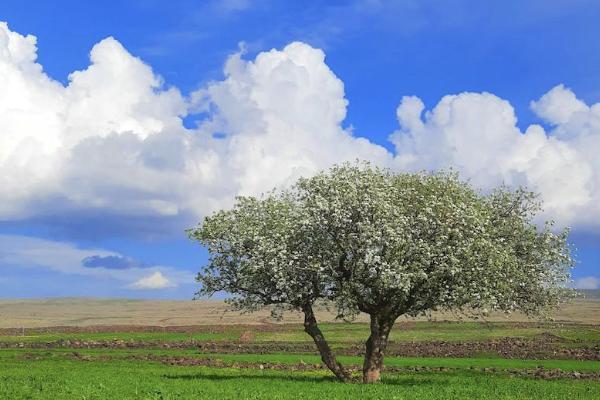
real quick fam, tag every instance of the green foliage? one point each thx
(365, 239)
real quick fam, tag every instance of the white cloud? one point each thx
(476, 133)
(558, 105)
(70, 142)
(154, 281)
(24, 253)
(28, 252)
(282, 114)
(112, 142)
(588, 282)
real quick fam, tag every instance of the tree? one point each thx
(261, 252)
(364, 239)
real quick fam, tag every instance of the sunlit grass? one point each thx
(127, 379)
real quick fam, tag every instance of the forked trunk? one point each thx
(375, 348)
(311, 327)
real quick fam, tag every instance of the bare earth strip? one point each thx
(90, 312)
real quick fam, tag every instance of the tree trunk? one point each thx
(375, 348)
(327, 356)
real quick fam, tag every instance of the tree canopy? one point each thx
(364, 239)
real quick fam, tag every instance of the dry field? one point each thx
(89, 312)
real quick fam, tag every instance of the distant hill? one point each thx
(590, 294)
(18, 313)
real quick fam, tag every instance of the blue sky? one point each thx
(158, 128)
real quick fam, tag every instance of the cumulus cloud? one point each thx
(476, 134)
(111, 142)
(587, 282)
(558, 105)
(69, 143)
(154, 281)
(282, 116)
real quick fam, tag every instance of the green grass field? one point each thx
(336, 333)
(54, 376)
(60, 355)
(169, 363)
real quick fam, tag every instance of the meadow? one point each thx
(259, 359)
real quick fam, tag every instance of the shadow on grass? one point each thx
(257, 376)
(408, 381)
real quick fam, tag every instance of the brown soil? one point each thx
(241, 328)
(539, 348)
(187, 329)
(543, 347)
(246, 336)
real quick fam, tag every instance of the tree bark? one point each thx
(327, 356)
(375, 348)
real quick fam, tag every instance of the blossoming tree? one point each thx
(364, 239)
